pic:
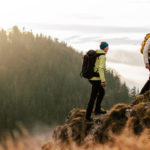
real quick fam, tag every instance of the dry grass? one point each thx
(119, 129)
(126, 141)
(22, 140)
(122, 142)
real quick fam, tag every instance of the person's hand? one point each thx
(147, 66)
(103, 84)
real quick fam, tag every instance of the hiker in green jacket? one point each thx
(98, 83)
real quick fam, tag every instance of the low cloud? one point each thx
(92, 28)
(123, 40)
(111, 41)
(126, 57)
(131, 74)
(72, 37)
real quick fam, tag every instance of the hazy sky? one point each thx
(84, 23)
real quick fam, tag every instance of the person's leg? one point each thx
(147, 84)
(93, 96)
(101, 94)
(146, 87)
(149, 69)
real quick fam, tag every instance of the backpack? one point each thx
(144, 42)
(88, 64)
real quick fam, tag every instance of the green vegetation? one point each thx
(39, 80)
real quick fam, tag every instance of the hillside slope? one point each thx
(40, 81)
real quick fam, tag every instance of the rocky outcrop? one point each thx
(135, 117)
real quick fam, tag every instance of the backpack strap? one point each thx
(95, 73)
(97, 55)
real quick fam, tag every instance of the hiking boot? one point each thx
(100, 112)
(89, 119)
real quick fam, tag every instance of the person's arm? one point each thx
(145, 53)
(102, 65)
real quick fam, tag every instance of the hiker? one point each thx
(145, 50)
(98, 83)
(146, 53)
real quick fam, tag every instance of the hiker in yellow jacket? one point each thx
(98, 83)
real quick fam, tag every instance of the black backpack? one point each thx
(88, 64)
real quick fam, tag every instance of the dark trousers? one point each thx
(146, 86)
(97, 93)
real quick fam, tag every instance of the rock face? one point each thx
(135, 117)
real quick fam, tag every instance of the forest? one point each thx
(40, 80)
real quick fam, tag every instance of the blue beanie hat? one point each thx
(104, 45)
